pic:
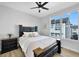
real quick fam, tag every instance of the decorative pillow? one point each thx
(35, 34)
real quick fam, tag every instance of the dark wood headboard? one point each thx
(26, 29)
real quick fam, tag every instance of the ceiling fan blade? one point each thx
(44, 3)
(37, 3)
(34, 7)
(45, 8)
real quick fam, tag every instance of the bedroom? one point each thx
(13, 14)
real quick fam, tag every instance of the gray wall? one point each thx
(9, 18)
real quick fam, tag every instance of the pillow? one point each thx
(27, 34)
(35, 34)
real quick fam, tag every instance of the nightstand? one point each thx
(8, 44)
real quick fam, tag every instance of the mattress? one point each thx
(28, 44)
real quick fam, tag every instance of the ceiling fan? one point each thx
(40, 5)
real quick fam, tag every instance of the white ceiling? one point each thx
(25, 7)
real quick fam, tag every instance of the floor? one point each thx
(67, 53)
(19, 53)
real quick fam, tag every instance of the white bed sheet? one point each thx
(28, 44)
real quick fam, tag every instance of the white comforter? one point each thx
(28, 44)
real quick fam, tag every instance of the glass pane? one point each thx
(55, 26)
(74, 25)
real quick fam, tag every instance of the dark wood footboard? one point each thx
(50, 51)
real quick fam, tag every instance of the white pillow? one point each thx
(35, 34)
(27, 34)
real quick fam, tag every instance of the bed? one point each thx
(28, 44)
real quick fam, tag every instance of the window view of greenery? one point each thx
(65, 26)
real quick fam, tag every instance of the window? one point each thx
(66, 24)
